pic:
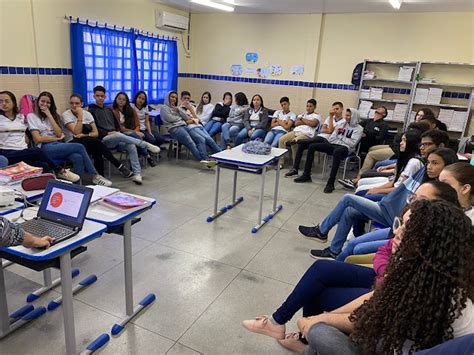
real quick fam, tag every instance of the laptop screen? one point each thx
(65, 203)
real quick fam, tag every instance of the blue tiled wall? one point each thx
(34, 70)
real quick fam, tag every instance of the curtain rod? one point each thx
(95, 23)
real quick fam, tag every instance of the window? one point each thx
(121, 61)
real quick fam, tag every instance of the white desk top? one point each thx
(30, 195)
(238, 157)
(12, 208)
(90, 230)
(111, 217)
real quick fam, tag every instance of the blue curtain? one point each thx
(121, 61)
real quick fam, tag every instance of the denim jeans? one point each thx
(199, 140)
(372, 197)
(229, 131)
(347, 211)
(273, 136)
(182, 135)
(325, 286)
(207, 138)
(243, 134)
(324, 339)
(385, 163)
(141, 149)
(32, 156)
(122, 142)
(73, 152)
(3, 161)
(153, 138)
(213, 127)
(365, 244)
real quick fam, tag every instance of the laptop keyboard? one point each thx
(41, 229)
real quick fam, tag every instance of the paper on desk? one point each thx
(101, 191)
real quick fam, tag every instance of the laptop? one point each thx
(62, 211)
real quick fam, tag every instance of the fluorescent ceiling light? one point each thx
(214, 5)
(396, 3)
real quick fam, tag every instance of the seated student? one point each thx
(80, 128)
(205, 108)
(129, 123)
(327, 284)
(426, 114)
(352, 209)
(140, 105)
(335, 117)
(195, 128)
(399, 316)
(255, 121)
(422, 113)
(13, 140)
(45, 127)
(281, 123)
(340, 144)
(219, 115)
(235, 121)
(3, 161)
(375, 130)
(174, 120)
(109, 132)
(306, 126)
(12, 234)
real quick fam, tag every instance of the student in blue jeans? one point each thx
(255, 121)
(219, 115)
(234, 123)
(3, 161)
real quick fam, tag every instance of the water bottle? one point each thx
(472, 158)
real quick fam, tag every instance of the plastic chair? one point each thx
(351, 157)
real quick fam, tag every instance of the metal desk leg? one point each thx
(48, 284)
(68, 309)
(235, 200)
(6, 263)
(276, 208)
(4, 318)
(130, 311)
(260, 209)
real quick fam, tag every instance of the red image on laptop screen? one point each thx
(65, 202)
(56, 199)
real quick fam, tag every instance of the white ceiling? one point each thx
(328, 6)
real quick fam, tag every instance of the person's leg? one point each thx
(183, 137)
(150, 138)
(92, 146)
(369, 247)
(324, 339)
(369, 183)
(385, 162)
(3, 161)
(294, 147)
(234, 131)
(321, 275)
(211, 143)
(66, 151)
(225, 135)
(301, 147)
(141, 149)
(79, 149)
(131, 149)
(288, 137)
(276, 139)
(241, 136)
(339, 153)
(377, 235)
(200, 141)
(258, 134)
(209, 125)
(375, 155)
(313, 147)
(216, 128)
(269, 137)
(33, 157)
(159, 139)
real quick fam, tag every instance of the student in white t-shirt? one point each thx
(205, 108)
(80, 127)
(13, 140)
(45, 127)
(306, 125)
(281, 123)
(140, 105)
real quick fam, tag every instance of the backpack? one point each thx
(27, 104)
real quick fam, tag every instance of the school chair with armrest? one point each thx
(366, 260)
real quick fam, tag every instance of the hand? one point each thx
(250, 132)
(46, 111)
(80, 135)
(174, 109)
(78, 111)
(372, 191)
(331, 112)
(304, 324)
(60, 138)
(381, 169)
(140, 134)
(31, 241)
(111, 133)
(196, 120)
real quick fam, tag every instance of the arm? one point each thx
(147, 123)
(39, 139)
(311, 123)
(12, 234)
(382, 133)
(95, 132)
(263, 119)
(384, 189)
(275, 122)
(246, 120)
(286, 124)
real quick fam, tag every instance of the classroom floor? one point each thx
(207, 277)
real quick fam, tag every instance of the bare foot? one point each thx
(292, 342)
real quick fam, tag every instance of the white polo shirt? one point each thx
(279, 114)
(141, 113)
(69, 117)
(305, 129)
(44, 127)
(12, 132)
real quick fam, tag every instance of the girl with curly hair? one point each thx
(426, 296)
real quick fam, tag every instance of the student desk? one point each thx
(12, 208)
(235, 159)
(90, 231)
(114, 220)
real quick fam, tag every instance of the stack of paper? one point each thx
(369, 74)
(365, 93)
(389, 115)
(405, 73)
(446, 116)
(400, 112)
(421, 96)
(458, 121)
(364, 108)
(434, 96)
(412, 116)
(427, 81)
(376, 93)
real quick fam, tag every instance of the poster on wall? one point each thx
(276, 70)
(263, 73)
(236, 70)
(297, 69)
(250, 70)
(251, 57)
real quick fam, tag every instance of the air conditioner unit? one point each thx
(171, 22)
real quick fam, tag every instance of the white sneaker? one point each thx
(137, 179)
(68, 175)
(100, 180)
(209, 163)
(152, 148)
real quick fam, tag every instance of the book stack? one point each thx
(400, 112)
(458, 121)
(421, 96)
(123, 202)
(17, 172)
(364, 108)
(446, 116)
(365, 93)
(434, 96)
(405, 73)
(376, 93)
(389, 115)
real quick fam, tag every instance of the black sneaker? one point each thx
(303, 178)
(325, 253)
(151, 161)
(292, 172)
(313, 233)
(126, 173)
(347, 184)
(329, 188)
